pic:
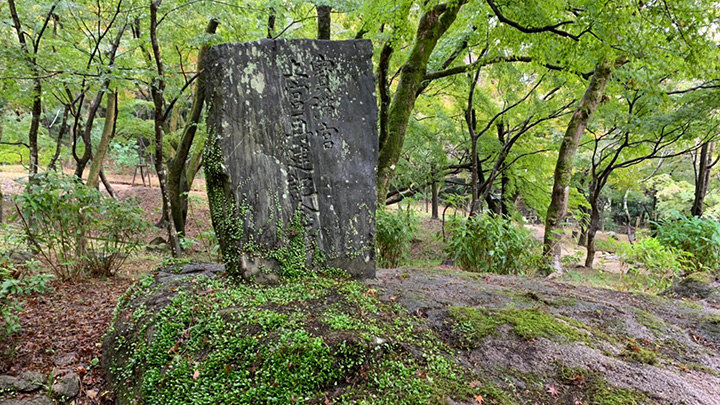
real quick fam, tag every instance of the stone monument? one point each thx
(292, 152)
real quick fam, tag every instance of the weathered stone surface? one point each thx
(67, 387)
(38, 400)
(292, 135)
(29, 381)
(703, 285)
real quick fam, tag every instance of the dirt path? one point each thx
(604, 261)
(61, 333)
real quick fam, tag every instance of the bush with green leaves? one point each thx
(653, 264)
(17, 279)
(492, 244)
(78, 231)
(394, 232)
(124, 155)
(699, 237)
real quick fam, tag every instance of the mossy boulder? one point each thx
(190, 335)
(703, 285)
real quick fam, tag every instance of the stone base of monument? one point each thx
(260, 269)
(292, 153)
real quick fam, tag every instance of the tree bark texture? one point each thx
(323, 21)
(178, 182)
(592, 229)
(566, 157)
(433, 24)
(93, 179)
(157, 90)
(434, 203)
(702, 178)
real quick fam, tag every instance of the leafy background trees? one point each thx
(544, 108)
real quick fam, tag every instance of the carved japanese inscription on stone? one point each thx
(292, 136)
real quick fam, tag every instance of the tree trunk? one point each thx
(2, 116)
(432, 26)
(81, 161)
(271, 23)
(566, 157)
(177, 179)
(592, 228)
(157, 89)
(471, 123)
(323, 21)
(31, 58)
(504, 182)
(702, 179)
(584, 226)
(35, 126)
(628, 220)
(106, 183)
(93, 180)
(434, 188)
(64, 127)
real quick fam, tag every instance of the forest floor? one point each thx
(62, 330)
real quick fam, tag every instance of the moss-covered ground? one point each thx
(210, 341)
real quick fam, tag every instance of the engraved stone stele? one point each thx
(292, 149)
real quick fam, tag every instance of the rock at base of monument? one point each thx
(259, 269)
(292, 150)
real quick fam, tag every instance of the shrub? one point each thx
(491, 243)
(78, 230)
(124, 155)
(700, 237)
(656, 266)
(16, 280)
(394, 231)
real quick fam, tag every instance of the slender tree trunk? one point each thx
(158, 89)
(475, 203)
(628, 220)
(93, 180)
(434, 203)
(35, 126)
(64, 127)
(471, 123)
(432, 26)
(323, 21)
(193, 167)
(504, 182)
(81, 161)
(177, 179)
(31, 57)
(106, 183)
(592, 231)
(702, 179)
(566, 157)
(584, 226)
(384, 88)
(2, 121)
(271, 23)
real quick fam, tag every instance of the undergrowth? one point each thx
(302, 341)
